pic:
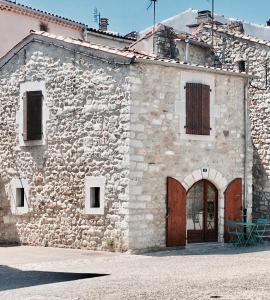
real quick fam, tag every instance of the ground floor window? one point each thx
(94, 195)
(19, 196)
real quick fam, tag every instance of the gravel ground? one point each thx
(198, 272)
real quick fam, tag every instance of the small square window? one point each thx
(20, 197)
(18, 193)
(242, 66)
(95, 197)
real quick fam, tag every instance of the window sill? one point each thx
(32, 143)
(94, 211)
(195, 137)
(18, 211)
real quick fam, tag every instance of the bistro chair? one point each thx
(261, 230)
(236, 236)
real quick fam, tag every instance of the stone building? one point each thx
(238, 46)
(17, 20)
(116, 150)
(164, 42)
(238, 51)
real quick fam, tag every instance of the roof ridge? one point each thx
(238, 34)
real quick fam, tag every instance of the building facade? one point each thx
(16, 21)
(236, 50)
(109, 150)
(234, 45)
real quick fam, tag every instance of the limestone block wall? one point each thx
(159, 149)
(87, 135)
(197, 55)
(230, 50)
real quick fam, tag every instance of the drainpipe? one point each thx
(187, 51)
(246, 123)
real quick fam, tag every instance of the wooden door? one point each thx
(233, 203)
(176, 213)
(202, 213)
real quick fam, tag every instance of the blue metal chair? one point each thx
(261, 230)
(236, 236)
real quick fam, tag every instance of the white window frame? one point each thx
(180, 104)
(31, 86)
(91, 182)
(15, 184)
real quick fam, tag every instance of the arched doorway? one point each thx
(202, 213)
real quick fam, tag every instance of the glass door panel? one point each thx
(211, 208)
(195, 207)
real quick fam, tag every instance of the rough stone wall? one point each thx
(231, 49)
(87, 135)
(157, 150)
(197, 55)
(165, 44)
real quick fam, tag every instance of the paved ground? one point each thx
(199, 272)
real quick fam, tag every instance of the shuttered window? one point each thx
(32, 116)
(197, 109)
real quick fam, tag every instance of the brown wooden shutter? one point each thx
(34, 115)
(176, 213)
(25, 118)
(205, 109)
(233, 203)
(197, 109)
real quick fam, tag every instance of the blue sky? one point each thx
(129, 15)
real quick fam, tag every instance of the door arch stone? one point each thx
(220, 182)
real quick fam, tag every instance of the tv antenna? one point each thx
(153, 3)
(212, 20)
(97, 17)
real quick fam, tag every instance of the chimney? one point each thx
(268, 23)
(104, 22)
(204, 16)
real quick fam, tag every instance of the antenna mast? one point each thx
(97, 17)
(213, 18)
(153, 3)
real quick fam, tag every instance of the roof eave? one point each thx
(33, 37)
(43, 13)
(193, 67)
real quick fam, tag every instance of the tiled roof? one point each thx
(243, 36)
(124, 52)
(12, 4)
(115, 35)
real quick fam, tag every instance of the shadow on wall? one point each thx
(14, 278)
(261, 189)
(8, 229)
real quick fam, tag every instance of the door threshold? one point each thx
(203, 244)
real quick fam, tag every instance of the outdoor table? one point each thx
(249, 230)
